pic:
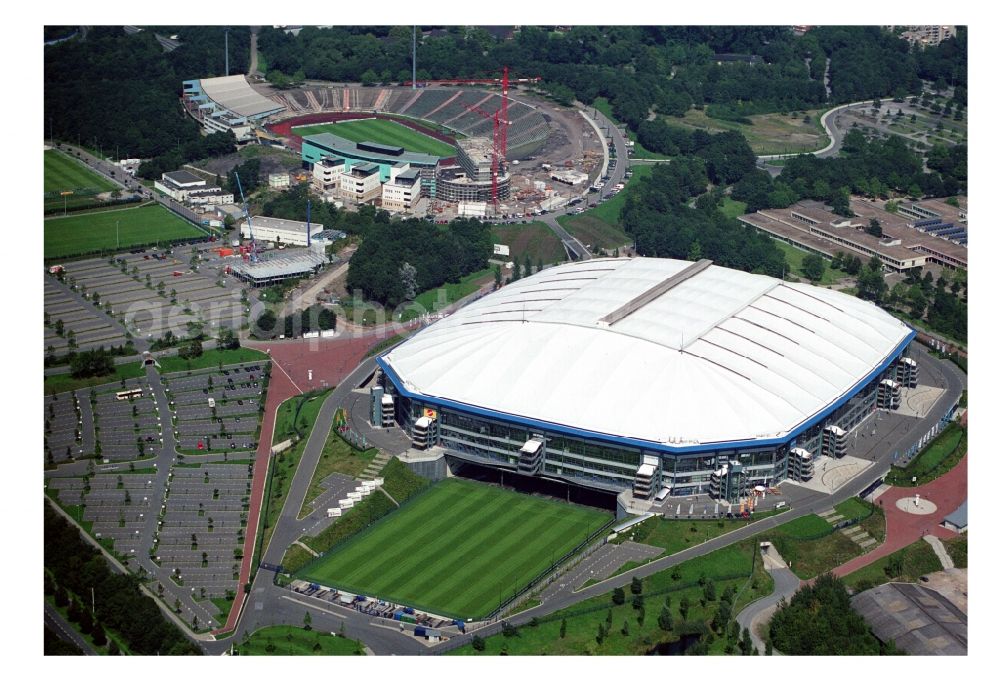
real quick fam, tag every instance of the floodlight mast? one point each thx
(246, 212)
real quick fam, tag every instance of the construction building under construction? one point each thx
(472, 180)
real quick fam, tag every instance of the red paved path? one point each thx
(331, 360)
(947, 492)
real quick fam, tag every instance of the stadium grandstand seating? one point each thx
(428, 101)
(445, 106)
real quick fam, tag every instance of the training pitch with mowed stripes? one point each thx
(457, 549)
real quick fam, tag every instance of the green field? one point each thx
(600, 226)
(96, 233)
(459, 548)
(285, 640)
(906, 565)
(535, 240)
(769, 134)
(211, 358)
(381, 131)
(63, 173)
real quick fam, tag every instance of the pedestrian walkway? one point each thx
(941, 552)
(377, 464)
(857, 534)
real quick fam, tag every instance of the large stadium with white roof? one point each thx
(649, 375)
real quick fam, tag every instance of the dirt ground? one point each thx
(952, 584)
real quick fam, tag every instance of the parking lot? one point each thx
(217, 410)
(153, 292)
(202, 528)
(91, 326)
(119, 505)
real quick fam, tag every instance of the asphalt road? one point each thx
(65, 631)
(785, 585)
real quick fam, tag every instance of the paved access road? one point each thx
(65, 631)
(786, 583)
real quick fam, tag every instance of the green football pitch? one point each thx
(457, 549)
(381, 131)
(63, 173)
(95, 232)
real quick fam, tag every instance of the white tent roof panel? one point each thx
(759, 356)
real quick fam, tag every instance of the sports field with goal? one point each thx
(63, 173)
(95, 232)
(381, 131)
(457, 549)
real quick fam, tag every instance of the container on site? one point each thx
(346, 503)
(225, 251)
(334, 511)
(354, 495)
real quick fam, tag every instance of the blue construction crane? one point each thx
(246, 212)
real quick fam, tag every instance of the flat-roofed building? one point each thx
(361, 184)
(402, 191)
(326, 173)
(320, 146)
(282, 231)
(282, 180)
(184, 186)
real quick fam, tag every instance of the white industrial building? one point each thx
(281, 231)
(699, 368)
(184, 186)
(326, 173)
(282, 180)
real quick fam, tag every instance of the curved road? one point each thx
(65, 631)
(786, 583)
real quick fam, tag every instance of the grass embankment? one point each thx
(600, 226)
(337, 456)
(533, 240)
(287, 462)
(906, 565)
(286, 640)
(217, 358)
(459, 547)
(938, 458)
(811, 546)
(381, 131)
(114, 230)
(958, 550)
(675, 535)
(679, 585)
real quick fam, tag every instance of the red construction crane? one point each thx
(497, 155)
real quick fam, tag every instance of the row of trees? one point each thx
(394, 263)
(79, 568)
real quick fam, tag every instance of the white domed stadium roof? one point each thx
(666, 351)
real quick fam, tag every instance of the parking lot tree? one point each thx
(59, 327)
(685, 607)
(307, 622)
(91, 363)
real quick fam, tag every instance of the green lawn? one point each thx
(64, 382)
(211, 358)
(433, 300)
(337, 456)
(63, 173)
(906, 565)
(675, 535)
(854, 508)
(286, 640)
(936, 459)
(958, 550)
(534, 239)
(600, 225)
(460, 547)
(811, 546)
(769, 134)
(794, 256)
(381, 131)
(96, 233)
(732, 208)
(729, 567)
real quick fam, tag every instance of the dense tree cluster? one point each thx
(99, 362)
(120, 92)
(439, 255)
(869, 166)
(78, 567)
(819, 620)
(657, 215)
(292, 205)
(942, 303)
(669, 68)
